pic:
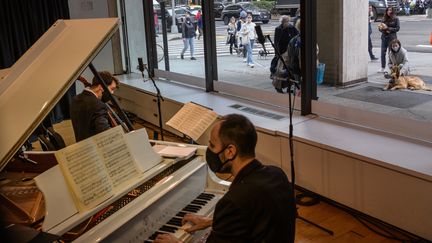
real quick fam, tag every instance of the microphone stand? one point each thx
(158, 97)
(290, 138)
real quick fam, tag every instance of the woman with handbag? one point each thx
(248, 38)
(231, 39)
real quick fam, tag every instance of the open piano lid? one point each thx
(37, 81)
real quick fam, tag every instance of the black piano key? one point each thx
(167, 228)
(199, 202)
(196, 207)
(208, 195)
(155, 234)
(181, 214)
(176, 223)
(190, 210)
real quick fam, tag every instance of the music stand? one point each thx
(261, 40)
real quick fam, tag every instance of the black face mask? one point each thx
(214, 162)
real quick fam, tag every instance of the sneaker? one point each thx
(381, 70)
(374, 58)
(181, 56)
(251, 65)
(193, 58)
(244, 60)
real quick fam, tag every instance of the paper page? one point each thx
(174, 151)
(139, 144)
(116, 155)
(192, 120)
(85, 174)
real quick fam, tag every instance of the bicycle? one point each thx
(160, 52)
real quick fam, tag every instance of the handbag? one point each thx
(245, 40)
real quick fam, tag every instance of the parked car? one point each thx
(258, 15)
(217, 9)
(179, 18)
(379, 7)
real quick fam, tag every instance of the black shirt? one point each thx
(89, 115)
(259, 207)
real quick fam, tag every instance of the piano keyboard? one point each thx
(202, 205)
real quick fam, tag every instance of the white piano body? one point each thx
(28, 92)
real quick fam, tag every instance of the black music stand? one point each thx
(261, 40)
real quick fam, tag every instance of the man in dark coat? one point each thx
(259, 206)
(283, 34)
(88, 112)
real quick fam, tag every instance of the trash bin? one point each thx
(320, 73)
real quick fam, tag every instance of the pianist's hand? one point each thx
(198, 222)
(166, 238)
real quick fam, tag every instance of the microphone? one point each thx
(141, 66)
(261, 37)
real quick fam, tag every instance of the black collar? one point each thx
(245, 171)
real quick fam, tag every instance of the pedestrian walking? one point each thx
(188, 35)
(232, 31)
(371, 55)
(389, 27)
(239, 24)
(199, 24)
(248, 39)
(407, 7)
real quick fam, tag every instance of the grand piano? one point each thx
(33, 191)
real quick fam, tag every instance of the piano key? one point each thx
(174, 225)
(199, 202)
(192, 207)
(154, 235)
(169, 229)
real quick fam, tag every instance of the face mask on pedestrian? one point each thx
(395, 48)
(214, 161)
(188, 20)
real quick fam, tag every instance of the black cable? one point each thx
(392, 237)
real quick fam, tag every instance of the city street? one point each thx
(414, 35)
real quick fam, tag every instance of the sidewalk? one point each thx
(366, 96)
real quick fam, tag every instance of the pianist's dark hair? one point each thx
(107, 77)
(238, 130)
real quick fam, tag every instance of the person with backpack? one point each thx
(283, 34)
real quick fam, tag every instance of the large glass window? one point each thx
(356, 78)
(182, 39)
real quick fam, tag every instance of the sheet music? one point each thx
(116, 155)
(85, 173)
(192, 120)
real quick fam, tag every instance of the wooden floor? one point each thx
(346, 228)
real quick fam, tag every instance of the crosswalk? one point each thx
(175, 48)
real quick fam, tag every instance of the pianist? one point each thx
(88, 112)
(259, 206)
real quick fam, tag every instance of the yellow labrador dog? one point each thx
(405, 82)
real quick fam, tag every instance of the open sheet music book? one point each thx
(100, 166)
(192, 120)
